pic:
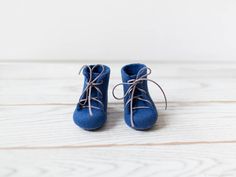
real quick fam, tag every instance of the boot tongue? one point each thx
(86, 73)
(128, 77)
(135, 75)
(132, 76)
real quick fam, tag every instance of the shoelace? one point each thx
(133, 87)
(86, 98)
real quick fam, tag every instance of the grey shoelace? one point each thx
(133, 86)
(86, 97)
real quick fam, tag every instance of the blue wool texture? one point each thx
(143, 119)
(99, 76)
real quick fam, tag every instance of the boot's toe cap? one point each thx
(143, 119)
(84, 120)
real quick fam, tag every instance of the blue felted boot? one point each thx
(91, 111)
(140, 112)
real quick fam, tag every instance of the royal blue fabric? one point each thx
(81, 115)
(143, 118)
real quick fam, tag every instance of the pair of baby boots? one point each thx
(140, 112)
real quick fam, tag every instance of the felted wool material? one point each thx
(82, 116)
(142, 118)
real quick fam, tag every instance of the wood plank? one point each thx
(52, 126)
(67, 91)
(58, 83)
(65, 70)
(167, 161)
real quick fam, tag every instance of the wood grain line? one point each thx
(113, 61)
(120, 103)
(117, 145)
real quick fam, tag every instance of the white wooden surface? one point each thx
(196, 136)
